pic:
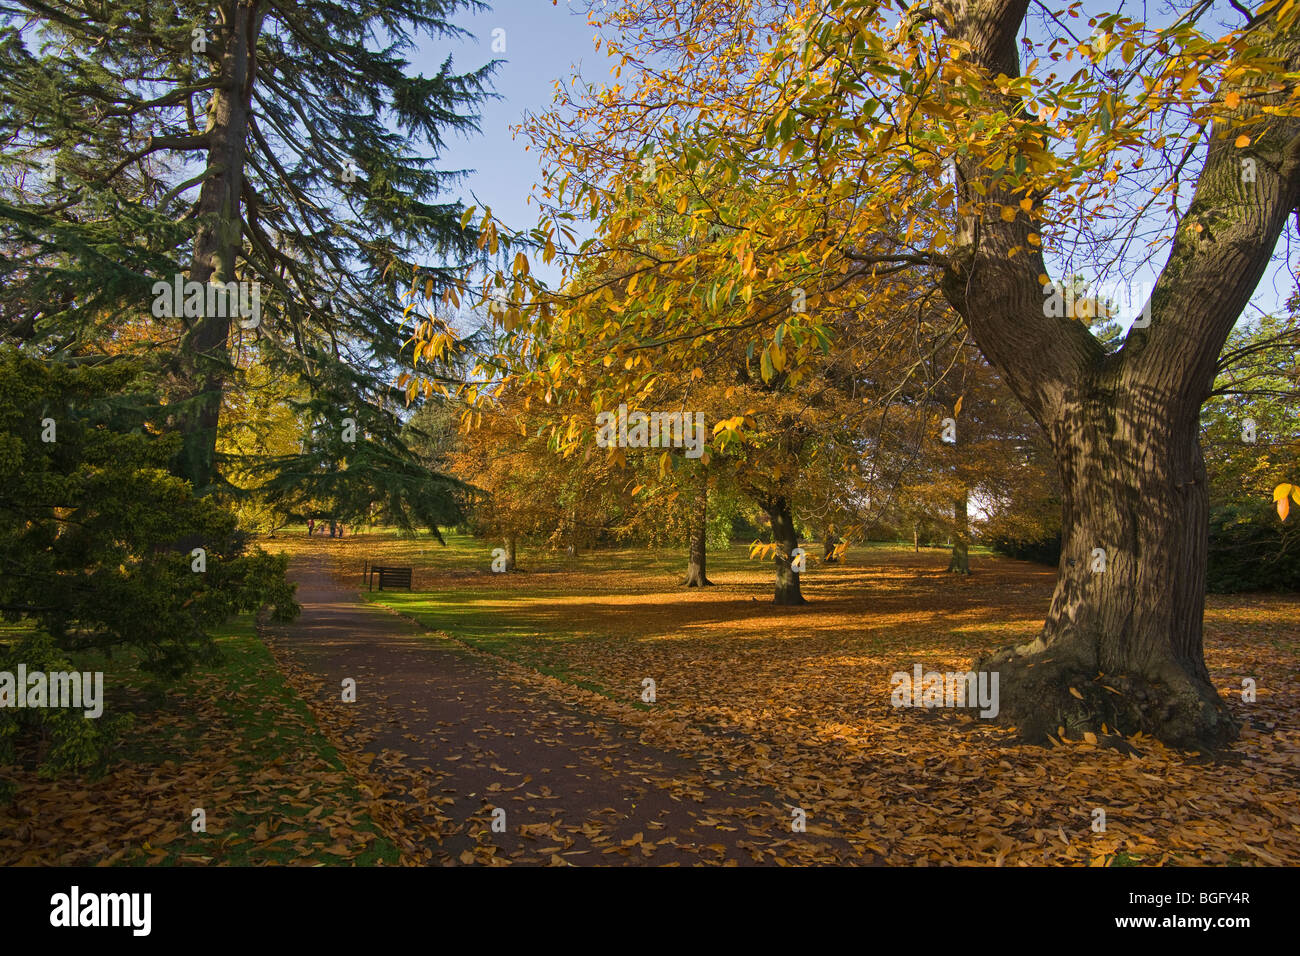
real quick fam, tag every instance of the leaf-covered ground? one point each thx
(232, 739)
(798, 699)
(480, 761)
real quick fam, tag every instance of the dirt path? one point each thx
(454, 738)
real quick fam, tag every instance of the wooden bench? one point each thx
(388, 576)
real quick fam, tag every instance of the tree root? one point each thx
(1047, 690)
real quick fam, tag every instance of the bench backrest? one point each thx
(393, 577)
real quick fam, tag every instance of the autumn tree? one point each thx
(977, 449)
(856, 143)
(1124, 426)
(524, 486)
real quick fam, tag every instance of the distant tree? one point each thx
(1251, 438)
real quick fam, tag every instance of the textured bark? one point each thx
(696, 563)
(205, 350)
(1121, 646)
(783, 533)
(960, 563)
(1130, 590)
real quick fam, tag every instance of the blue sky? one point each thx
(543, 42)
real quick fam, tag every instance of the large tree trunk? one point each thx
(783, 533)
(1121, 647)
(960, 563)
(205, 357)
(1122, 644)
(699, 525)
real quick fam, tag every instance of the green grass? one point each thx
(477, 621)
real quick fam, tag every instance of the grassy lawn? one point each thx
(232, 739)
(799, 698)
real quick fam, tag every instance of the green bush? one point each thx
(60, 739)
(1251, 550)
(1044, 550)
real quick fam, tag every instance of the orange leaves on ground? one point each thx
(798, 700)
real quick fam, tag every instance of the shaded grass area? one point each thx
(231, 739)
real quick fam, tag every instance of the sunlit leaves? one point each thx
(1283, 495)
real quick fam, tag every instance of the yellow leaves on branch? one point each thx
(1283, 494)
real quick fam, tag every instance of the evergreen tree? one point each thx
(99, 546)
(286, 147)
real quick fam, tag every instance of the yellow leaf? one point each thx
(1232, 100)
(1008, 213)
(1242, 141)
(1089, 737)
(1076, 693)
(1026, 204)
(1033, 239)
(428, 288)
(956, 409)
(1283, 508)
(1281, 491)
